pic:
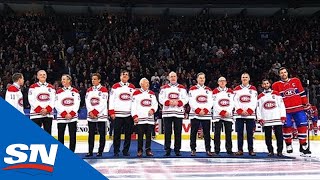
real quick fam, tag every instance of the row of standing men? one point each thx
(128, 106)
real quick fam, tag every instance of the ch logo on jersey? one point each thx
(43, 97)
(94, 101)
(269, 105)
(20, 102)
(290, 92)
(224, 102)
(201, 99)
(67, 102)
(146, 102)
(173, 96)
(245, 99)
(124, 96)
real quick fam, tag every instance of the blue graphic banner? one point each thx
(28, 152)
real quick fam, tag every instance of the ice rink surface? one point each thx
(210, 168)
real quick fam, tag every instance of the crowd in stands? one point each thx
(152, 46)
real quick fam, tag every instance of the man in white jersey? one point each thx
(97, 108)
(173, 97)
(14, 95)
(245, 101)
(223, 105)
(120, 111)
(144, 105)
(41, 98)
(200, 101)
(271, 114)
(67, 104)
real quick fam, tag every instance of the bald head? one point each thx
(173, 77)
(42, 76)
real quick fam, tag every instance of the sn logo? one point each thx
(19, 158)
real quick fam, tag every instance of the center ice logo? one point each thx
(21, 156)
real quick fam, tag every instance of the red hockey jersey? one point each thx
(293, 94)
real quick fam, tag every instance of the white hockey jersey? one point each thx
(67, 102)
(97, 103)
(245, 98)
(173, 92)
(223, 103)
(271, 108)
(14, 97)
(142, 103)
(41, 96)
(120, 99)
(200, 98)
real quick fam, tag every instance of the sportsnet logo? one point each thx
(28, 152)
(21, 156)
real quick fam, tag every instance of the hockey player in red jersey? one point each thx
(313, 116)
(295, 101)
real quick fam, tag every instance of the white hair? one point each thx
(171, 73)
(143, 79)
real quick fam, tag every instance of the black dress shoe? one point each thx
(193, 153)
(270, 154)
(99, 154)
(149, 153)
(209, 153)
(139, 154)
(168, 153)
(89, 154)
(230, 152)
(252, 153)
(178, 153)
(279, 154)
(126, 154)
(116, 154)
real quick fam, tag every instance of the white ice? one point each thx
(210, 168)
